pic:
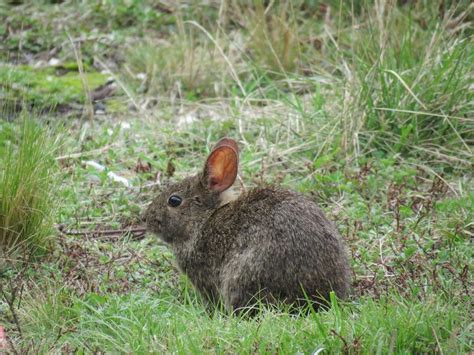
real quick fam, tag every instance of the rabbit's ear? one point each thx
(221, 166)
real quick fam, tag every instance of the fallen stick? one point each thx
(109, 232)
(81, 154)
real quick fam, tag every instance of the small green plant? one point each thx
(27, 186)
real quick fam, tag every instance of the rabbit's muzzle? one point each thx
(153, 223)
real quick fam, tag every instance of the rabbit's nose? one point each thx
(153, 224)
(146, 213)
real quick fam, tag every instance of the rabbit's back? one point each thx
(279, 244)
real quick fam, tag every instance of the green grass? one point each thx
(27, 195)
(415, 96)
(143, 322)
(364, 107)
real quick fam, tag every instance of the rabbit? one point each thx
(268, 244)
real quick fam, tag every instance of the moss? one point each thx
(45, 87)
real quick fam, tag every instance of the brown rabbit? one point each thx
(268, 244)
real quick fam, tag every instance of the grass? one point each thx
(366, 107)
(416, 98)
(140, 322)
(26, 187)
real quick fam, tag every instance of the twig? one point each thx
(80, 67)
(346, 346)
(438, 345)
(81, 154)
(462, 119)
(110, 232)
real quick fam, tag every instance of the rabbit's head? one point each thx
(180, 210)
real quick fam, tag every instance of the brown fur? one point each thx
(269, 243)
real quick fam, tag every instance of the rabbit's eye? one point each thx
(174, 201)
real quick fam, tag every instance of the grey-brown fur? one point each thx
(272, 243)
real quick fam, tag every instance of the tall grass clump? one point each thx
(411, 81)
(273, 36)
(27, 186)
(188, 65)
